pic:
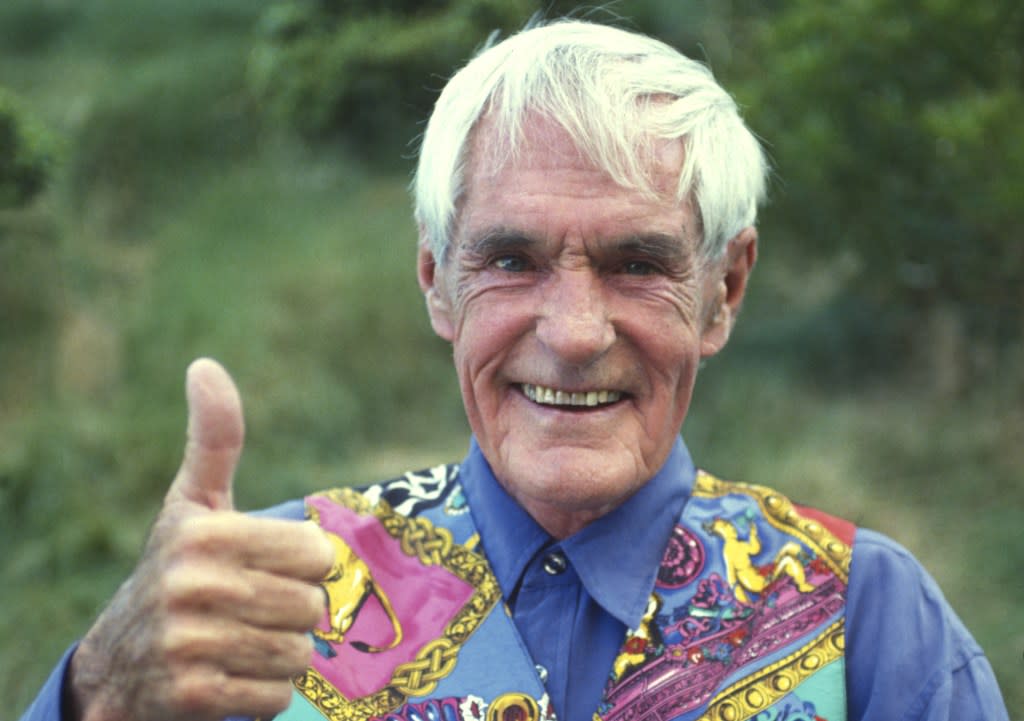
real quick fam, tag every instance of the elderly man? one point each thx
(586, 200)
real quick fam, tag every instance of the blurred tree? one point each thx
(27, 157)
(370, 71)
(26, 153)
(362, 69)
(894, 127)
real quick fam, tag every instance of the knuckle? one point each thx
(196, 693)
(293, 649)
(177, 585)
(173, 647)
(193, 586)
(197, 536)
(302, 654)
(184, 644)
(204, 585)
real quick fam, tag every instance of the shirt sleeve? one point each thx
(47, 705)
(908, 655)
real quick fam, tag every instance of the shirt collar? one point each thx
(616, 557)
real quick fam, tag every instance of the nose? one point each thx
(574, 322)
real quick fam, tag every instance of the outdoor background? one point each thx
(183, 178)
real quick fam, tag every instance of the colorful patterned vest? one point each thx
(745, 621)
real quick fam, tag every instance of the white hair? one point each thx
(615, 93)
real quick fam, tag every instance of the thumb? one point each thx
(216, 431)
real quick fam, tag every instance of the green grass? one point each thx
(181, 226)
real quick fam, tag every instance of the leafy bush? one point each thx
(32, 27)
(893, 128)
(27, 153)
(358, 69)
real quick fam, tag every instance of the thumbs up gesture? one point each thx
(213, 621)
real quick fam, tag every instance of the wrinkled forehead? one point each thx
(645, 164)
(546, 177)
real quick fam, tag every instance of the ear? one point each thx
(725, 286)
(432, 284)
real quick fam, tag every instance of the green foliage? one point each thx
(893, 130)
(28, 302)
(134, 142)
(179, 225)
(27, 153)
(369, 71)
(34, 27)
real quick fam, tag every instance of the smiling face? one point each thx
(578, 311)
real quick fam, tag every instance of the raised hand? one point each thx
(213, 621)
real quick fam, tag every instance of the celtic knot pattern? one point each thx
(430, 545)
(434, 661)
(336, 707)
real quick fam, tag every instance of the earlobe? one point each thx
(431, 283)
(730, 281)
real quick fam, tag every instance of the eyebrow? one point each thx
(496, 241)
(661, 247)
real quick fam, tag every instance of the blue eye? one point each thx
(639, 267)
(510, 263)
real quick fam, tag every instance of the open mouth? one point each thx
(570, 399)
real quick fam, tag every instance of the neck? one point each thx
(560, 523)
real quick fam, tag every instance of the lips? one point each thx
(555, 397)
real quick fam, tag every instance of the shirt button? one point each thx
(555, 563)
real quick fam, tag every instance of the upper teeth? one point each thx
(540, 394)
